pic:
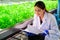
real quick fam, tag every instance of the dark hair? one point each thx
(41, 5)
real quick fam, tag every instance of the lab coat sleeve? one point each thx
(53, 26)
(23, 25)
(54, 31)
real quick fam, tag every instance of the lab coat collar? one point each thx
(45, 17)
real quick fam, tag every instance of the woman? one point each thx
(44, 24)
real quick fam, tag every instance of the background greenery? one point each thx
(17, 13)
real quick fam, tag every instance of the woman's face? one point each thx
(39, 11)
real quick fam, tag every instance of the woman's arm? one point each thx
(23, 25)
(54, 31)
(53, 26)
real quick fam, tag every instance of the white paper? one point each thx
(32, 29)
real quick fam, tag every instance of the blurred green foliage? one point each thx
(17, 13)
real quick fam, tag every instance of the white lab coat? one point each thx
(49, 23)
